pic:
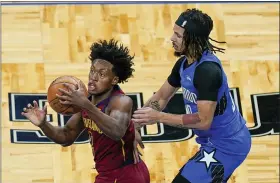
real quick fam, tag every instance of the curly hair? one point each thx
(196, 44)
(117, 55)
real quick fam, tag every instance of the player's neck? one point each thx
(190, 60)
(98, 98)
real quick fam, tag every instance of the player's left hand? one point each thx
(146, 116)
(72, 96)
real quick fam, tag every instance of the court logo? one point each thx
(265, 110)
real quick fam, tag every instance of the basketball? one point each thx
(53, 90)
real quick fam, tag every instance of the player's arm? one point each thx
(207, 80)
(67, 134)
(160, 99)
(115, 124)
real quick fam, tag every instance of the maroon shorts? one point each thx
(133, 173)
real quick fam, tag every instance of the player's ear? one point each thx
(115, 80)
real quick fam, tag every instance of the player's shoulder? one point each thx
(122, 97)
(209, 63)
(210, 70)
(121, 100)
(209, 66)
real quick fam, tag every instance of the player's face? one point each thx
(177, 39)
(101, 77)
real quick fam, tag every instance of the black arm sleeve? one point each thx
(174, 78)
(207, 80)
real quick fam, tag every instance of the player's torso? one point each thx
(227, 120)
(109, 154)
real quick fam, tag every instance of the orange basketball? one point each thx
(53, 90)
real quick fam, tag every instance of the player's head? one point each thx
(191, 34)
(111, 64)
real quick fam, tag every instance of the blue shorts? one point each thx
(216, 160)
(209, 165)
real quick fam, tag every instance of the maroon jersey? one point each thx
(109, 154)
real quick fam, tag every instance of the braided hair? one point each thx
(196, 38)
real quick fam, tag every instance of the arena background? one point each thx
(42, 42)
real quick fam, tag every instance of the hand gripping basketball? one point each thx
(68, 84)
(34, 114)
(73, 96)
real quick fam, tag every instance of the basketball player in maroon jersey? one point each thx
(105, 114)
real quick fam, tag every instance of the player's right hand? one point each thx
(34, 114)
